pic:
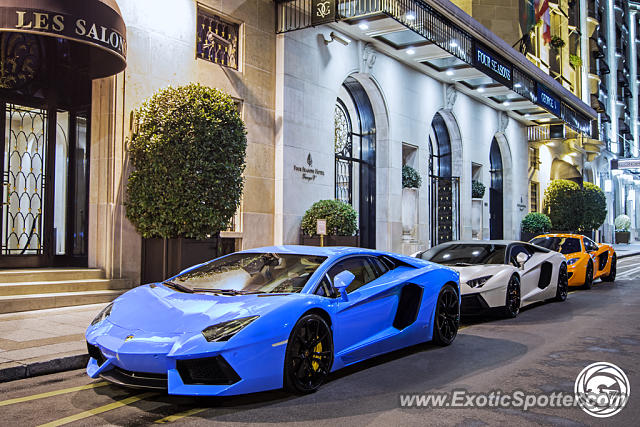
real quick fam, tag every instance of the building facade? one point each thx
(336, 102)
(593, 53)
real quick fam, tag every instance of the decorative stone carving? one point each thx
(451, 94)
(369, 56)
(503, 121)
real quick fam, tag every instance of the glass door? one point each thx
(45, 172)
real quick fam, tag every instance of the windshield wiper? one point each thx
(227, 291)
(462, 264)
(179, 287)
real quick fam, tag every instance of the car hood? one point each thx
(480, 270)
(158, 309)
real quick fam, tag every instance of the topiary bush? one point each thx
(536, 222)
(477, 189)
(188, 156)
(595, 207)
(622, 223)
(410, 177)
(342, 219)
(563, 204)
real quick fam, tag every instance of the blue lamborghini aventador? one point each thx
(267, 318)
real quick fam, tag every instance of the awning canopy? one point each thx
(96, 23)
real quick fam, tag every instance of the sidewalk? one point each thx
(622, 250)
(44, 341)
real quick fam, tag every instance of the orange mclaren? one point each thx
(586, 260)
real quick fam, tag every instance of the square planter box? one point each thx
(164, 258)
(623, 236)
(525, 236)
(331, 240)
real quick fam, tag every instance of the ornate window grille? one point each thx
(217, 40)
(343, 144)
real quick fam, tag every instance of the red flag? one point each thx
(542, 11)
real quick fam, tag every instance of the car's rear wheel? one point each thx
(612, 271)
(512, 303)
(447, 316)
(588, 276)
(562, 289)
(309, 355)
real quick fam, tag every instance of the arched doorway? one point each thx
(445, 188)
(45, 157)
(355, 157)
(496, 203)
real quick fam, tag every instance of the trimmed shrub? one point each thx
(563, 204)
(410, 177)
(342, 219)
(622, 223)
(477, 189)
(536, 222)
(595, 207)
(188, 156)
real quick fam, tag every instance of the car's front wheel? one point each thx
(512, 303)
(309, 355)
(588, 276)
(562, 289)
(447, 316)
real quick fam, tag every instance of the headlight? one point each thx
(225, 330)
(102, 315)
(479, 282)
(572, 261)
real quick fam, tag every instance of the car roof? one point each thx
(483, 242)
(577, 236)
(328, 251)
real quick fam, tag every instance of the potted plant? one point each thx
(411, 181)
(557, 42)
(534, 224)
(188, 157)
(622, 224)
(594, 209)
(342, 224)
(564, 205)
(575, 60)
(477, 189)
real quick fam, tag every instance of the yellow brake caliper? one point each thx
(314, 364)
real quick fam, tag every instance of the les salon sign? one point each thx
(98, 25)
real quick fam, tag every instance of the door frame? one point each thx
(48, 258)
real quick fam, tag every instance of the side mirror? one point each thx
(521, 259)
(341, 281)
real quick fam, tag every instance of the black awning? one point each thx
(96, 23)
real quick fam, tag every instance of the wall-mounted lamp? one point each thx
(338, 38)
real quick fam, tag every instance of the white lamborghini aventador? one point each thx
(503, 275)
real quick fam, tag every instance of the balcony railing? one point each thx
(542, 133)
(415, 15)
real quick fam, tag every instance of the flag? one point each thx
(542, 11)
(528, 19)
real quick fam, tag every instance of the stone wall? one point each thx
(162, 52)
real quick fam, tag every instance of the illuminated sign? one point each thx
(493, 65)
(547, 100)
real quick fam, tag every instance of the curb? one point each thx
(52, 366)
(621, 256)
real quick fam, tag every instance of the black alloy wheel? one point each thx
(562, 290)
(447, 316)
(309, 355)
(611, 277)
(588, 276)
(512, 304)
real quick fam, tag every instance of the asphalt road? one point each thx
(543, 350)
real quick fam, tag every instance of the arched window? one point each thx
(343, 146)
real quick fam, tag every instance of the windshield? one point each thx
(252, 273)
(466, 254)
(564, 245)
